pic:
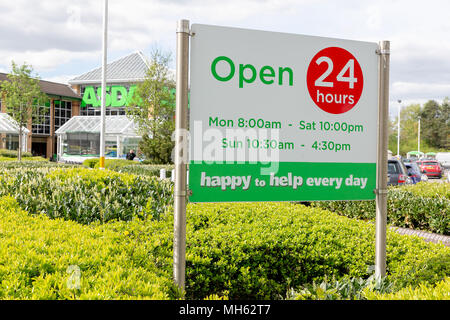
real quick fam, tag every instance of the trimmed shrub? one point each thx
(34, 165)
(429, 190)
(44, 259)
(147, 170)
(240, 251)
(115, 164)
(344, 289)
(13, 154)
(86, 195)
(422, 207)
(34, 159)
(91, 163)
(439, 291)
(112, 164)
(260, 251)
(132, 167)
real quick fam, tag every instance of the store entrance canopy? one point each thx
(9, 126)
(79, 138)
(115, 126)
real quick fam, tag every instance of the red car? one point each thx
(431, 168)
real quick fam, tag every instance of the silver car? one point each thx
(397, 173)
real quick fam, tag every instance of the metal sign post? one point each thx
(382, 161)
(181, 148)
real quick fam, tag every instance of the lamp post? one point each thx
(418, 139)
(398, 134)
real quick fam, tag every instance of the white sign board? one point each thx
(281, 117)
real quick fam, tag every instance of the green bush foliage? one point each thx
(91, 163)
(260, 251)
(439, 291)
(34, 159)
(86, 195)
(344, 289)
(115, 164)
(34, 165)
(45, 259)
(425, 206)
(147, 170)
(429, 190)
(131, 167)
(237, 251)
(13, 154)
(111, 164)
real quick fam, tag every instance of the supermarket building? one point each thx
(70, 124)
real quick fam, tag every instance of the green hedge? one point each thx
(28, 159)
(429, 190)
(40, 259)
(422, 207)
(34, 164)
(112, 164)
(13, 154)
(148, 170)
(91, 163)
(132, 167)
(439, 291)
(86, 195)
(343, 289)
(247, 251)
(240, 251)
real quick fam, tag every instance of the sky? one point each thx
(62, 39)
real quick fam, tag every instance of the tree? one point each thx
(153, 109)
(434, 131)
(23, 97)
(435, 124)
(446, 124)
(408, 130)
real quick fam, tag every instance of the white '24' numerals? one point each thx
(350, 67)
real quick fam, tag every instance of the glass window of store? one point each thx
(63, 113)
(12, 142)
(82, 144)
(41, 120)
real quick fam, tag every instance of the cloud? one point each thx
(374, 17)
(61, 79)
(424, 90)
(44, 60)
(55, 36)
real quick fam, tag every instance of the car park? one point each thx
(431, 168)
(397, 173)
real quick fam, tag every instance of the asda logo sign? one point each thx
(116, 96)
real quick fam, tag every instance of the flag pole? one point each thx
(103, 112)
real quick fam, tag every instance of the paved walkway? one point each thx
(430, 237)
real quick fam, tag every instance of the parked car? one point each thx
(397, 173)
(413, 172)
(431, 168)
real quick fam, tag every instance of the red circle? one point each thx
(335, 80)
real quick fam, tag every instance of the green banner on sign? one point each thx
(283, 181)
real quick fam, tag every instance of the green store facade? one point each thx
(69, 131)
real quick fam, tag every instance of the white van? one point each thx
(444, 159)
